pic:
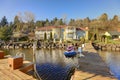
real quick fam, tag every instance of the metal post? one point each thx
(34, 59)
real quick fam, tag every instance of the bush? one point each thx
(23, 38)
(108, 37)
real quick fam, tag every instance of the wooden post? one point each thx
(34, 66)
(34, 60)
(15, 62)
(1, 54)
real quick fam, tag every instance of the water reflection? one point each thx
(51, 63)
(56, 56)
(53, 56)
(113, 61)
(28, 53)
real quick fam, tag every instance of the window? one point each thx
(70, 35)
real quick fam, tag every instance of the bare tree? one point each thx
(28, 17)
(64, 18)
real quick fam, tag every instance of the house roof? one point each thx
(19, 34)
(49, 27)
(78, 28)
(114, 32)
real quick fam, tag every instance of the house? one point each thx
(18, 36)
(62, 32)
(72, 32)
(31, 36)
(56, 31)
(113, 34)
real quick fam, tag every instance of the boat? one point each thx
(70, 52)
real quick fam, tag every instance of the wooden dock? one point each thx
(7, 74)
(81, 75)
(92, 66)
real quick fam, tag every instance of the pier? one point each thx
(6, 73)
(92, 66)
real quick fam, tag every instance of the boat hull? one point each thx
(70, 54)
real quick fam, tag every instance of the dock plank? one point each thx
(11, 75)
(7, 74)
(80, 75)
(22, 75)
(4, 77)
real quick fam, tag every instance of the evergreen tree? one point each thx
(5, 33)
(86, 22)
(103, 17)
(114, 23)
(45, 36)
(39, 23)
(78, 23)
(72, 22)
(4, 21)
(61, 22)
(54, 22)
(17, 24)
(47, 22)
(16, 20)
(51, 36)
(115, 19)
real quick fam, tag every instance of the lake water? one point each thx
(56, 56)
(53, 56)
(113, 61)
